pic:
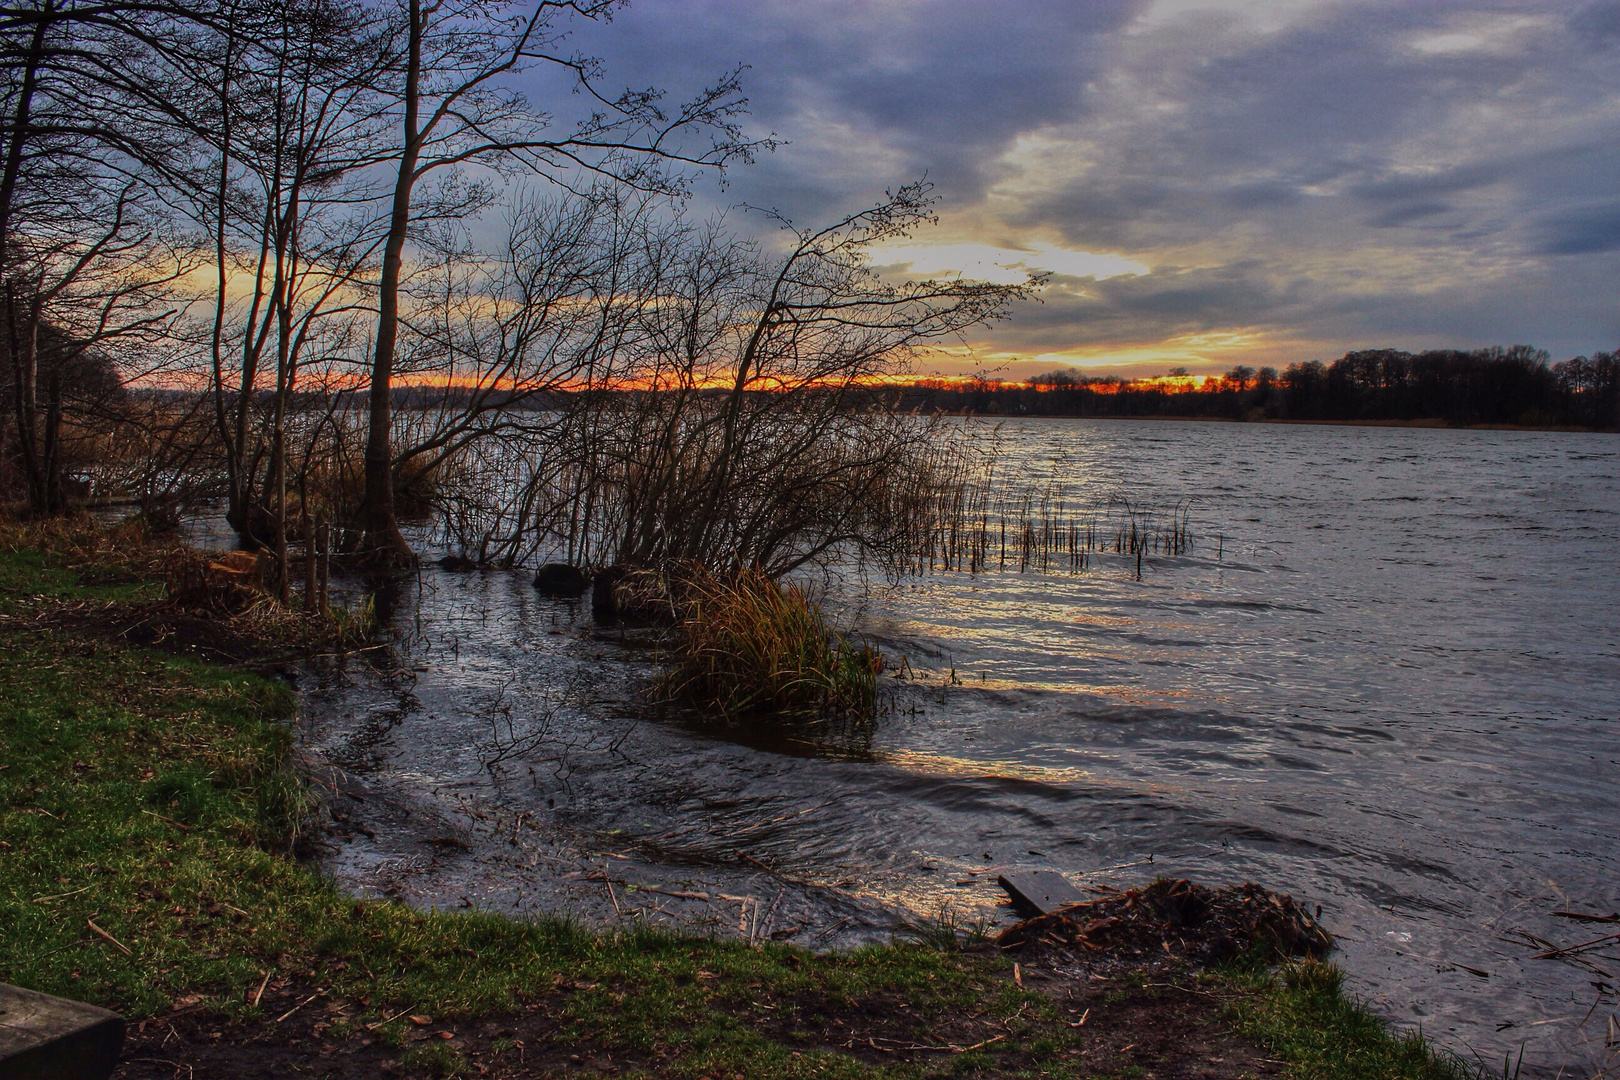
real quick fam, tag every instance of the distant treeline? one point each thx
(1515, 385)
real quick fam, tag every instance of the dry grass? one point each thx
(152, 590)
(79, 542)
(751, 646)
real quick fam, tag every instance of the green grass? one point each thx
(27, 577)
(153, 797)
(1301, 1012)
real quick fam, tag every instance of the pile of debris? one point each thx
(1176, 919)
(223, 584)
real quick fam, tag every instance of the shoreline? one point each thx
(152, 795)
(1427, 424)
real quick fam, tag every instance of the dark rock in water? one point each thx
(458, 564)
(560, 579)
(602, 604)
(632, 594)
(1176, 919)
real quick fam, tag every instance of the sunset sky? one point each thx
(1210, 182)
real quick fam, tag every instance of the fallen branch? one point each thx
(1567, 950)
(298, 1006)
(389, 1020)
(120, 945)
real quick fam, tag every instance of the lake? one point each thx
(1386, 681)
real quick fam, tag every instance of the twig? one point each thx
(121, 946)
(390, 1020)
(757, 863)
(765, 925)
(59, 896)
(298, 1006)
(1190, 990)
(977, 1045)
(676, 893)
(1582, 916)
(1563, 950)
(259, 993)
(171, 821)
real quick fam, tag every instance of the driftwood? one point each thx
(1177, 918)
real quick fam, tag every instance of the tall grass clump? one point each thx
(750, 646)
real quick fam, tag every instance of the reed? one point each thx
(751, 646)
(974, 525)
(901, 494)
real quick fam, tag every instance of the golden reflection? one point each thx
(958, 880)
(929, 763)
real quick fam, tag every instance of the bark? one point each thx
(381, 542)
(22, 336)
(20, 120)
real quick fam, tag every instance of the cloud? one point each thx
(1582, 231)
(1598, 23)
(1219, 174)
(1004, 266)
(941, 85)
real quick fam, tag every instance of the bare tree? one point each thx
(733, 422)
(455, 108)
(83, 261)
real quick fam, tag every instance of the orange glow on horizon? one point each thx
(1171, 383)
(358, 381)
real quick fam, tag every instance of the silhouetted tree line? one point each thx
(1514, 385)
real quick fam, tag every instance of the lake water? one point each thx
(1386, 681)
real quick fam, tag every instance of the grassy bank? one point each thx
(147, 813)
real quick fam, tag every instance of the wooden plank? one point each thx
(51, 1038)
(1038, 892)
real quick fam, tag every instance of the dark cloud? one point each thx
(1598, 24)
(1582, 231)
(1429, 184)
(1264, 194)
(935, 86)
(1410, 213)
(1348, 171)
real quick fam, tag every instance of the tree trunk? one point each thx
(235, 513)
(20, 121)
(22, 340)
(55, 495)
(381, 542)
